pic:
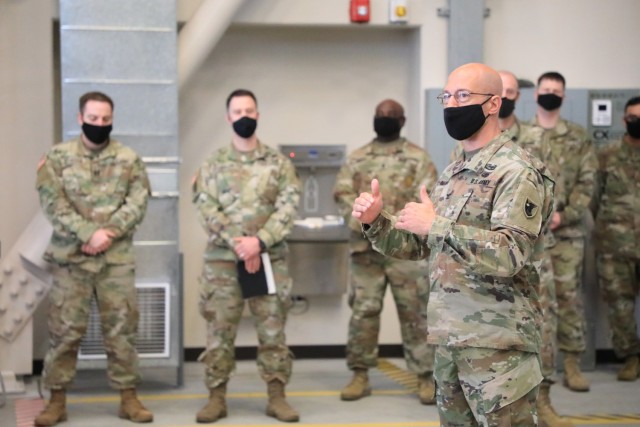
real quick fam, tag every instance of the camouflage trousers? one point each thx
(549, 306)
(486, 387)
(221, 304)
(69, 308)
(619, 284)
(371, 273)
(568, 257)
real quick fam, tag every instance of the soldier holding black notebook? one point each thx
(246, 194)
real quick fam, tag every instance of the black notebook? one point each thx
(258, 283)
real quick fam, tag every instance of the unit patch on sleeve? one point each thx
(530, 209)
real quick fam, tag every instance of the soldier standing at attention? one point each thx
(618, 238)
(246, 195)
(94, 190)
(402, 168)
(530, 139)
(483, 236)
(573, 150)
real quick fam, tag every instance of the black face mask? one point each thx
(245, 126)
(549, 101)
(633, 129)
(506, 109)
(386, 126)
(463, 122)
(96, 134)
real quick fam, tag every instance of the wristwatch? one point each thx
(263, 247)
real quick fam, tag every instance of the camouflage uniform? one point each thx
(245, 194)
(530, 138)
(402, 168)
(569, 144)
(80, 192)
(484, 248)
(618, 241)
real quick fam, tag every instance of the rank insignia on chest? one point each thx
(530, 209)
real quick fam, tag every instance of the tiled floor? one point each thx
(314, 392)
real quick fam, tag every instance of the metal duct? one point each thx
(200, 35)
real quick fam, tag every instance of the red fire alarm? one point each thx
(360, 11)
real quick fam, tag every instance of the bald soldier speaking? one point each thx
(481, 229)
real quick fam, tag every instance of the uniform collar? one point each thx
(480, 161)
(108, 151)
(391, 147)
(561, 128)
(259, 152)
(629, 150)
(514, 130)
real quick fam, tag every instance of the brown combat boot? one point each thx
(573, 377)
(278, 406)
(547, 416)
(55, 410)
(216, 407)
(631, 369)
(426, 389)
(131, 409)
(358, 387)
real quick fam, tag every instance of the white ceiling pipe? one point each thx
(201, 33)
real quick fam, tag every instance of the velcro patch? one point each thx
(530, 209)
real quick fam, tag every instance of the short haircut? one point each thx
(94, 96)
(633, 101)
(552, 75)
(241, 92)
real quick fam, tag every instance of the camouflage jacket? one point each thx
(618, 218)
(400, 166)
(570, 145)
(246, 194)
(484, 248)
(530, 139)
(82, 191)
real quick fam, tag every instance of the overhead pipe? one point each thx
(201, 34)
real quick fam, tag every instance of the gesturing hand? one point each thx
(368, 206)
(417, 217)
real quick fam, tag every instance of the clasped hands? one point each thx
(100, 241)
(415, 217)
(247, 248)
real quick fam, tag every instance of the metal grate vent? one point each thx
(153, 326)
